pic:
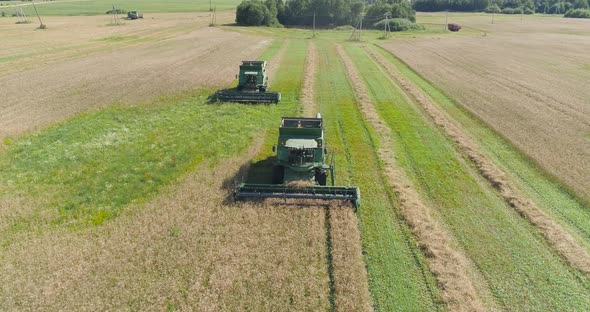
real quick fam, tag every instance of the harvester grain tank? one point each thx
(252, 85)
(301, 169)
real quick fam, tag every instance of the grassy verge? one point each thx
(557, 201)
(520, 269)
(398, 277)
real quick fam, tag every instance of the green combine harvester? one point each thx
(301, 169)
(133, 15)
(252, 86)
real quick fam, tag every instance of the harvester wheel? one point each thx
(321, 177)
(278, 174)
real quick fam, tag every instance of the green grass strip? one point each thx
(520, 268)
(398, 277)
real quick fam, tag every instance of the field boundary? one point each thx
(449, 265)
(576, 255)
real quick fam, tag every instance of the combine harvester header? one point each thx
(301, 169)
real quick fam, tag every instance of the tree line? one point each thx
(326, 12)
(403, 12)
(502, 6)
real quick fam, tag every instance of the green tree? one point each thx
(493, 8)
(355, 11)
(252, 13)
(273, 11)
(581, 4)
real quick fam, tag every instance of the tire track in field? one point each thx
(348, 273)
(449, 266)
(575, 254)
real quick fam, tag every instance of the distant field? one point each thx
(79, 63)
(527, 79)
(97, 7)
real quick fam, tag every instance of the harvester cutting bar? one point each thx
(248, 97)
(254, 191)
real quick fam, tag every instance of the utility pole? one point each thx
(361, 28)
(115, 16)
(386, 26)
(493, 16)
(447, 20)
(313, 24)
(356, 34)
(41, 25)
(213, 14)
(22, 17)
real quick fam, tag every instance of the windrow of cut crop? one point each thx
(447, 263)
(398, 276)
(560, 239)
(514, 266)
(308, 106)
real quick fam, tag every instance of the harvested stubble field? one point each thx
(129, 207)
(527, 79)
(57, 77)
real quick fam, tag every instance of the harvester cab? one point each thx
(253, 76)
(252, 86)
(301, 168)
(301, 154)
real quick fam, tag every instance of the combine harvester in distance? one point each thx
(252, 86)
(133, 15)
(301, 169)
